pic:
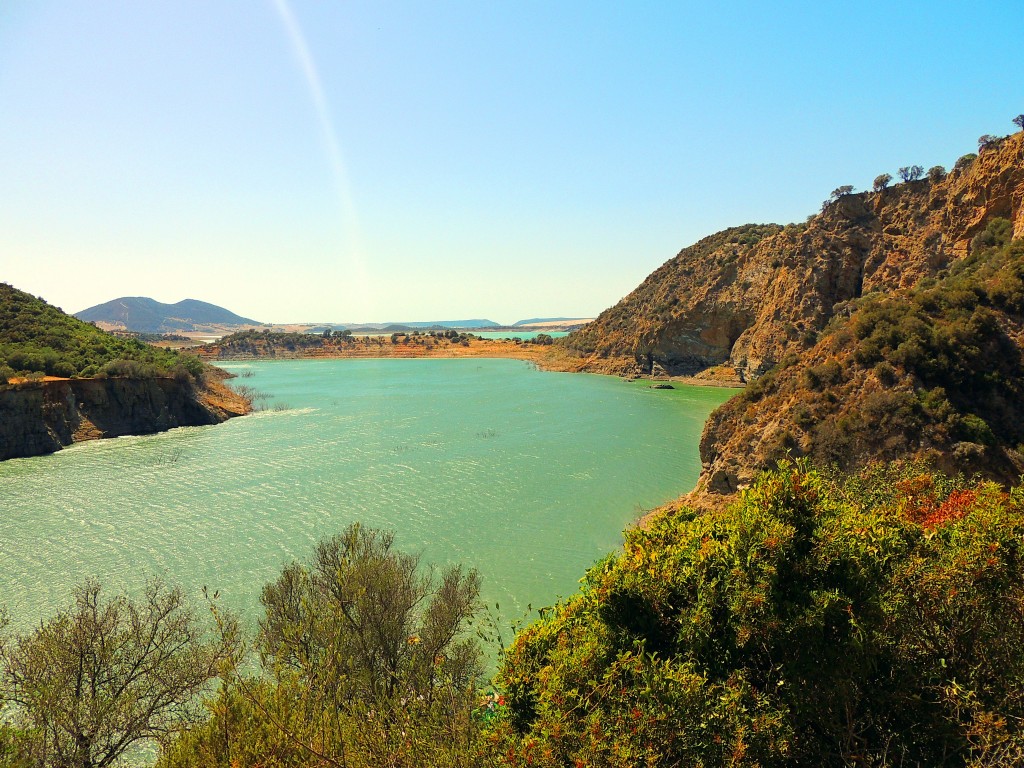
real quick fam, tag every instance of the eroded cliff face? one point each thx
(930, 370)
(43, 417)
(943, 381)
(748, 296)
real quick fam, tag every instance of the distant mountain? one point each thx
(543, 320)
(440, 324)
(421, 325)
(74, 382)
(145, 315)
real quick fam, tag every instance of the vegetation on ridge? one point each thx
(876, 620)
(888, 325)
(934, 371)
(39, 339)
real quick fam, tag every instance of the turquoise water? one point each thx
(525, 475)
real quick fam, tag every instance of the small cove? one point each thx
(525, 475)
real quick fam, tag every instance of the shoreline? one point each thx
(545, 357)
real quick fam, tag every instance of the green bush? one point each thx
(949, 339)
(368, 660)
(817, 622)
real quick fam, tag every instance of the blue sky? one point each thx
(355, 161)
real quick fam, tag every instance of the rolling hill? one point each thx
(145, 315)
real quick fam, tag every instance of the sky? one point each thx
(309, 161)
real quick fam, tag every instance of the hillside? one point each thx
(888, 325)
(36, 337)
(63, 380)
(145, 315)
(748, 295)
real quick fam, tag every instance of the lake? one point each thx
(526, 475)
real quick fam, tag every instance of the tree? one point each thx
(369, 662)
(911, 172)
(936, 173)
(986, 141)
(106, 674)
(836, 194)
(964, 162)
(1019, 121)
(881, 182)
(368, 617)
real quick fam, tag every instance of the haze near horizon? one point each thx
(296, 161)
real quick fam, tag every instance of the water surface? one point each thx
(525, 475)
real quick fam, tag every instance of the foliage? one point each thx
(911, 172)
(152, 338)
(256, 342)
(818, 622)
(367, 661)
(986, 141)
(933, 370)
(964, 161)
(837, 193)
(104, 675)
(936, 173)
(881, 182)
(1019, 121)
(38, 338)
(950, 337)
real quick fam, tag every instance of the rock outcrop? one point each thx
(747, 296)
(38, 417)
(888, 326)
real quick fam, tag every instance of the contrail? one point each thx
(343, 187)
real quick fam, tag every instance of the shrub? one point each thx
(100, 677)
(964, 162)
(816, 622)
(368, 662)
(911, 172)
(38, 338)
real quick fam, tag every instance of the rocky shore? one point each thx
(39, 417)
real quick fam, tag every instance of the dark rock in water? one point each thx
(662, 386)
(42, 417)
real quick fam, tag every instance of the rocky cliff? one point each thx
(39, 417)
(747, 296)
(890, 325)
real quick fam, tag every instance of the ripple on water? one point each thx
(527, 476)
